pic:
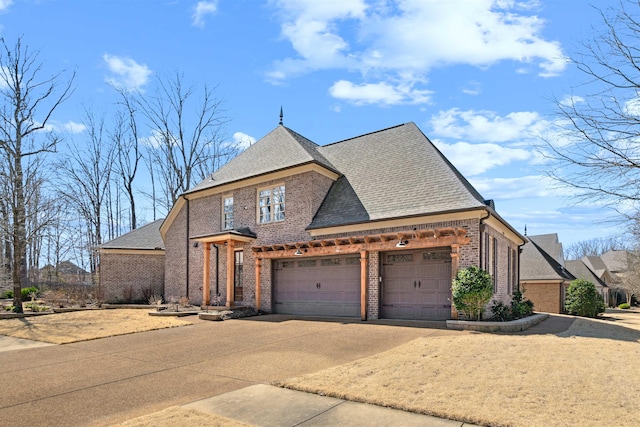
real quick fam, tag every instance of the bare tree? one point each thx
(86, 174)
(28, 102)
(186, 134)
(594, 247)
(597, 151)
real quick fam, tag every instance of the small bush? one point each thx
(624, 306)
(518, 309)
(471, 291)
(7, 294)
(25, 293)
(583, 299)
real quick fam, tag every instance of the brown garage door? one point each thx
(327, 286)
(416, 285)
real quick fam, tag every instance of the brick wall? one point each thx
(130, 277)
(546, 297)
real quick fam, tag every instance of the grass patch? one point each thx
(500, 380)
(64, 328)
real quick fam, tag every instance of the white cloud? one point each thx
(524, 187)
(73, 127)
(200, 10)
(378, 93)
(126, 73)
(488, 126)
(4, 4)
(392, 40)
(475, 159)
(242, 140)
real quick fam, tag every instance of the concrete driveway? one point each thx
(111, 380)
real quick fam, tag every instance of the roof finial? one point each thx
(281, 115)
(525, 229)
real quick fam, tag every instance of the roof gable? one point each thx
(280, 149)
(579, 269)
(395, 172)
(536, 264)
(146, 237)
(551, 245)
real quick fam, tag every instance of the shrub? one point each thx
(624, 306)
(25, 293)
(518, 309)
(583, 299)
(471, 291)
(7, 294)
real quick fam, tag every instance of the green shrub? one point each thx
(518, 309)
(583, 299)
(624, 306)
(25, 293)
(7, 294)
(471, 291)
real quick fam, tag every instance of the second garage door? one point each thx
(416, 285)
(326, 286)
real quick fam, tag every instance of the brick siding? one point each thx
(546, 297)
(127, 277)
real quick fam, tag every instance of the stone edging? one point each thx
(512, 326)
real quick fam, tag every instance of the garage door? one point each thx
(416, 285)
(327, 286)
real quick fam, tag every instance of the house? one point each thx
(543, 276)
(132, 266)
(66, 273)
(375, 226)
(618, 263)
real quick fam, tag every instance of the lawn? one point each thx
(586, 376)
(64, 328)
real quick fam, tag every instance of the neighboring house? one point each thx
(580, 269)
(371, 227)
(597, 265)
(618, 264)
(543, 276)
(66, 273)
(132, 266)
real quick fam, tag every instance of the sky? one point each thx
(477, 76)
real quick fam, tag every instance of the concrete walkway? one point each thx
(10, 343)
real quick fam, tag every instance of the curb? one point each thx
(512, 326)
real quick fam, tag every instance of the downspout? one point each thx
(481, 243)
(217, 268)
(187, 245)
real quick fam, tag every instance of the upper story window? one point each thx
(227, 212)
(271, 204)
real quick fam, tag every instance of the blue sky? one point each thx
(476, 76)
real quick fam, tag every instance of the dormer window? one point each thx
(227, 212)
(271, 204)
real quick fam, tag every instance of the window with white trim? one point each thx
(271, 206)
(227, 212)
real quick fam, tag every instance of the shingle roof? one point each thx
(551, 245)
(280, 149)
(146, 237)
(581, 271)
(616, 261)
(536, 264)
(395, 172)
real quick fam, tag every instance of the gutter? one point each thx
(187, 249)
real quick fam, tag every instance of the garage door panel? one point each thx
(416, 285)
(328, 286)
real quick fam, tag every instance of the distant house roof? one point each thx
(579, 269)
(551, 245)
(146, 237)
(596, 265)
(616, 261)
(537, 264)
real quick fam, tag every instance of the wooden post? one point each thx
(258, 271)
(230, 273)
(363, 284)
(206, 254)
(455, 261)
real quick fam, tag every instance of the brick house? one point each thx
(369, 227)
(543, 276)
(132, 266)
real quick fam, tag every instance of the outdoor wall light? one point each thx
(402, 243)
(195, 244)
(298, 252)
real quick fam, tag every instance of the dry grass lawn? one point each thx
(177, 416)
(588, 375)
(64, 328)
